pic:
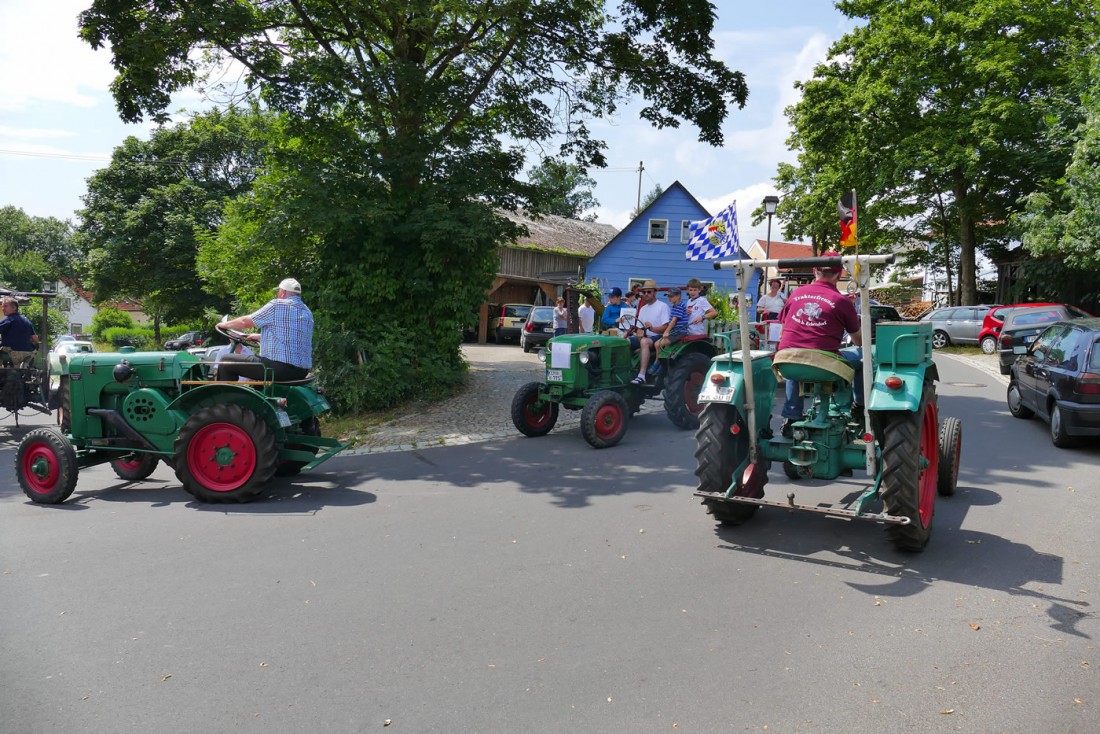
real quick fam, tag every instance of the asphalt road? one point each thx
(538, 585)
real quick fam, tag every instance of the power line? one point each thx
(63, 156)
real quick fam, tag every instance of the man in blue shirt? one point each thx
(286, 339)
(17, 333)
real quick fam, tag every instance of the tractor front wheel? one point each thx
(951, 436)
(224, 453)
(718, 453)
(604, 419)
(46, 466)
(135, 467)
(685, 381)
(531, 415)
(910, 470)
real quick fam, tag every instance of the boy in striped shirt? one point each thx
(677, 319)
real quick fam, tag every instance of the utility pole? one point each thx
(638, 204)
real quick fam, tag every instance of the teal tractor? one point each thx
(225, 440)
(592, 373)
(907, 452)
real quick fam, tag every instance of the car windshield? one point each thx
(542, 313)
(517, 312)
(1037, 317)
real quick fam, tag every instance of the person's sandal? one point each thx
(638, 380)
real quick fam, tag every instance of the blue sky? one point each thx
(58, 123)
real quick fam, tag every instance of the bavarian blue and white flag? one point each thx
(714, 238)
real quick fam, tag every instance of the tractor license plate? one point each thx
(323, 404)
(284, 419)
(553, 375)
(714, 394)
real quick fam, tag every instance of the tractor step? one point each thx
(791, 505)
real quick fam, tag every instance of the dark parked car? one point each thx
(1058, 378)
(1022, 325)
(187, 340)
(956, 324)
(538, 328)
(994, 320)
(510, 318)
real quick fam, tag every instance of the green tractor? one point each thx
(908, 453)
(593, 372)
(225, 440)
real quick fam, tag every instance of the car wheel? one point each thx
(1016, 404)
(1058, 435)
(1005, 369)
(523, 343)
(939, 340)
(989, 345)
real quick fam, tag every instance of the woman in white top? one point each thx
(772, 302)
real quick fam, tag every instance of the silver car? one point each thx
(956, 324)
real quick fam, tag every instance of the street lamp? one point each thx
(771, 203)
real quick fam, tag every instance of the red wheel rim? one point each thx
(536, 418)
(692, 387)
(221, 456)
(609, 420)
(930, 459)
(41, 477)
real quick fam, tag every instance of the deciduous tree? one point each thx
(394, 152)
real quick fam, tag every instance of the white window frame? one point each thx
(685, 231)
(649, 231)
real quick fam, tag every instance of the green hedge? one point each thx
(139, 338)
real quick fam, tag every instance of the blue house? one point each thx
(652, 246)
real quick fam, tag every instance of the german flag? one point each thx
(847, 209)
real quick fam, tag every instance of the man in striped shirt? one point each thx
(286, 339)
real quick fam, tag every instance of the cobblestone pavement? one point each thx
(482, 411)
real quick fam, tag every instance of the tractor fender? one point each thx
(908, 396)
(677, 349)
(200, 397)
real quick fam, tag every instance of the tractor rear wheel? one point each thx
(135, 467)
(951, 436)
(224, 453)
(310, 427)
(604, 419)
(46, 466)
(910, 470)
(685, 381)
(529, 416)
(718, 453)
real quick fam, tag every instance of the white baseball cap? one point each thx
(290, 286)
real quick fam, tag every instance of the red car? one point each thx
(995, 319)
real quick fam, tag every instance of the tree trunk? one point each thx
(968, 289)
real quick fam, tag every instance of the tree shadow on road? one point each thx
(957, 555)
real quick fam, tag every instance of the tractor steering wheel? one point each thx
(235, 337)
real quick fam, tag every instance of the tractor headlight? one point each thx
(542, 354)
(586, 356)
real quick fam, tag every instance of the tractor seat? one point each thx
(812, 365)
(304, 381)
(693, 337)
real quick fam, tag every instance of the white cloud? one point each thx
(35, 67)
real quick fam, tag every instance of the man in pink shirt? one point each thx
(816, 316)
